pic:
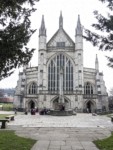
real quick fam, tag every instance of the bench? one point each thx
(3, 121)
(111, 118)
(10, 117)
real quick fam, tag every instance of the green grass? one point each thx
(105, 144)
(10, 141)
(109, 115)
(7, 106)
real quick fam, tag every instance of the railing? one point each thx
(90, 96)
(75, 92)
(48, 92)
(64, 48)
(57, 92)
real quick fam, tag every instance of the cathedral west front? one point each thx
(82, 88)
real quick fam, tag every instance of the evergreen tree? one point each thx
(15, 33)
(103, 39)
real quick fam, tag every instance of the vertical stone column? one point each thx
(79, 83)
(61, 95)
(42, 56)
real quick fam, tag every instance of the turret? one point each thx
(42, 30)
(79, 28)
(78, 35)
(60, 21)
(79, 56)
(42, 35)
(96, 64)
(42, 56)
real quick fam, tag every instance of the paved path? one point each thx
(62, 133)
(80, 120)
(52, 138)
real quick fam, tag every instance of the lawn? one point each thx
(7, 106)
(109, 115)
(10, 141)
(105, 144)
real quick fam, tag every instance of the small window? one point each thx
(80, 86)
(42, 54)
(41, 70)
(98, 80)
(33, 88)
(60, 44)
(88, 88)
(98, 85)
(79, 71)
(101, 74)
(22, 85)
(79, 54)
(99, 92)
(23, 80)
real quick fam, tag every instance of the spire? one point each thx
(60, 20)
(96, 60)
(42, 30)
(79, 27)
(96, 63)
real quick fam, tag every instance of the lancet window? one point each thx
(33, 88)
(55, 65)
(88, 88)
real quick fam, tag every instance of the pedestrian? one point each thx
(87, 110)
(26, 111)
(15, 111)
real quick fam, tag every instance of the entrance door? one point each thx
(32, 105)
(89, 106)
(56, 104)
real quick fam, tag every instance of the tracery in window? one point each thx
(33, 88)
(88, 88)
(58, 62)
(60, 44)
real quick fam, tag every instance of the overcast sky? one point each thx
(70, 10)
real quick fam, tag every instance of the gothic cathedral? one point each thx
(81, 88)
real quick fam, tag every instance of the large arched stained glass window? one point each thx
(33, 88)
(88, 88)
(58, 62)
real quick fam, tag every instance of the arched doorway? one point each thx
(90, 106)
(31, 104)
(55, 103)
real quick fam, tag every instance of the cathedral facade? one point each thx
(82, 88)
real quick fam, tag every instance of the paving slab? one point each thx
(62, 133)
(81, 120)
(49, 142)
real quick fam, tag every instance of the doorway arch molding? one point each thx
(27, 103)
(92, 103)
(67, 102)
